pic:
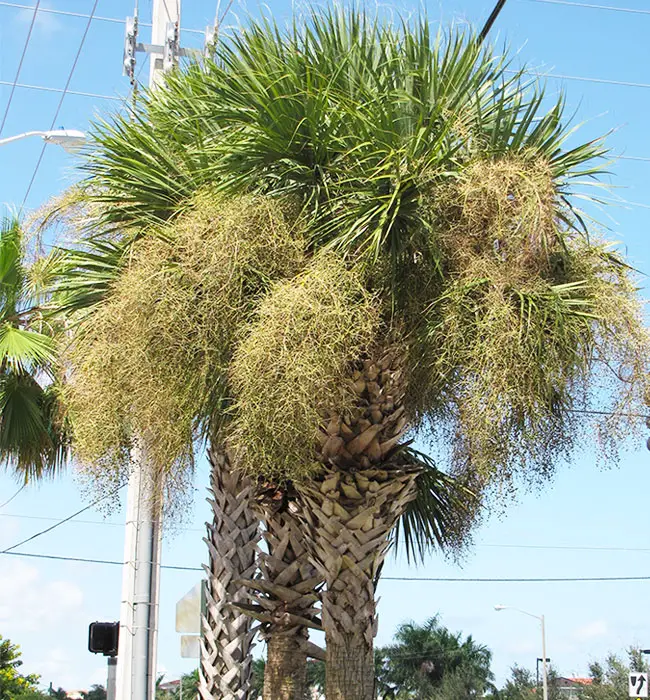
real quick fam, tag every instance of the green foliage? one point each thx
(441, 514)
(610, 678)
(33, 432)
(190, 683)
(435, 195)
(96, 692)
(291, 368)
(14, 685)
(428, 662)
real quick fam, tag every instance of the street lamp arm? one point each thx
(22, 136)
(498, 608)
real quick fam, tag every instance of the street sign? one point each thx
(189, 610)
(190, 646)
(638, 685)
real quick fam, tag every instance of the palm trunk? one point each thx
(349, 538)
(284, 595)
(348, 513)
(285, 674)
(227, 639)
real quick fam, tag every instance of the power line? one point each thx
(551, 547)
(491, 20)
(44, 88)
(97, 18)
(20, 66)
(84, 560)
(605, 81)
(62, 521)
(559, 579)
(592, 6)
(439, 579)
(63, 94)
(6, 503)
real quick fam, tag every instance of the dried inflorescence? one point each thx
(292, 368)
(152, 360)
(528, 312)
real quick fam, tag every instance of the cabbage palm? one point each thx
(33, 436)
(400, 250)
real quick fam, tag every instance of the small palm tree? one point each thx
(428, 659)
(33, 434)
(339, 235)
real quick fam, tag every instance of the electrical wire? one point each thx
(20, 66)
(97, 18)
(44, 88)
(63, 94)
(438, 579)
(62, 521)
(605, 81)
(6, 503)
(592, 6)
(550, 547)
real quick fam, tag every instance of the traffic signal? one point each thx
(103, 638)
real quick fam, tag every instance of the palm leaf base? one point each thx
(227, 639)
(349, 517)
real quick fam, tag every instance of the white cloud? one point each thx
(28, 602)
(47, 23)
(592, 630)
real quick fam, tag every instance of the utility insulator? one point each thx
(130, 43)
(171, 47)
(210, 40)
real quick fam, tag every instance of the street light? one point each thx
(70, 139)
(498, 608)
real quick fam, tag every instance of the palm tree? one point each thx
(33, 433)
(427, 660)
(344, 233)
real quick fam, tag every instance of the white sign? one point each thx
(190, 646)
(189, 609)
(638, 685)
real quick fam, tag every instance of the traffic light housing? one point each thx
(103, 638)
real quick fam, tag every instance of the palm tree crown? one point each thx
(33, 435)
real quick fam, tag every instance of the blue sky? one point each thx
(587, 522)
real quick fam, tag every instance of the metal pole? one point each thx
(143, 537)
(544, 671)
(111, 678)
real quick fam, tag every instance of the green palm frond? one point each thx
(34, 439)
(81, 277)
(21, 349)
(440, 514)
(354, 117)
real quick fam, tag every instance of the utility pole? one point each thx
(136, 666)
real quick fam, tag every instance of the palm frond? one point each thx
(440, 515)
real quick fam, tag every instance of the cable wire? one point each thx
(62, 521)
(97, 18)
(63, 94)
(592, 6)
(6, 503)
(20, 66)
(44, 88)
(438, 579)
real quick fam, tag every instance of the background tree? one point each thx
(96, 692)
(610, 677)
(429, 662)
(34, 440)
(12, 683)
